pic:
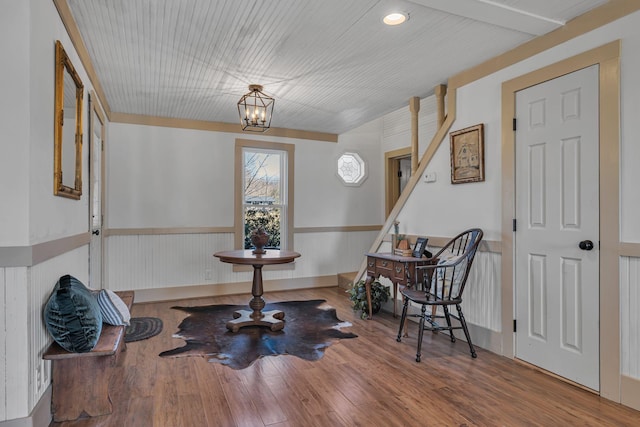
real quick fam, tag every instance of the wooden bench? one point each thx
(80, 381)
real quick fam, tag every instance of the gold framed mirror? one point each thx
(67, 135)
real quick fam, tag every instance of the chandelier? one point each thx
(255, 110)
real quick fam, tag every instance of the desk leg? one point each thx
(367, 286)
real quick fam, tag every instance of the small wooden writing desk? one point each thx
(401, 270)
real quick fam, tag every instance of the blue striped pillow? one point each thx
(114, 310)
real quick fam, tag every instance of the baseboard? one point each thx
(346, 279)
(39, 417)
(630, 392)
(485, 338)
(236, 288)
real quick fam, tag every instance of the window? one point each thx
(264, 184)
(264, 201)
(351, 169)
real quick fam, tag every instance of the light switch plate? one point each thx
(430, 177)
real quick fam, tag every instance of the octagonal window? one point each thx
(351, 169)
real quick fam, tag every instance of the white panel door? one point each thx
(95, 197)
(557, 208)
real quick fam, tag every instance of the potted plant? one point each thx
(358, 296)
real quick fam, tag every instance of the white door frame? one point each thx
(96, 110)
(391, 167)
(608, 58)
(557, 204)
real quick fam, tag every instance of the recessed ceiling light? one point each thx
(395, 18)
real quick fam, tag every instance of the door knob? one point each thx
(586, 245)
(96, 232)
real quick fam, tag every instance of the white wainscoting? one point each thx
(137, 262)
(481, 298)
(481, 302)
(43, 278)
(165, 260)
(24, 292)
(629, 316)
(3, 346)
(16, 344)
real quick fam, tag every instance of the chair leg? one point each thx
(434, 311)
(421, 330)
(406, 318)
(403, 319)
(448, 317)
(466, 331)
(395, 298)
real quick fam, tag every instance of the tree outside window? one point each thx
(264, 194)
(264, 190)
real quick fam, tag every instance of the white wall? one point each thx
(322, 199)
(51, 217)
(630, 128)
(168, 177)
(157, 178)
(479, 102)
(173, 178)
(442, 209)
(14, 123)
(396, 126)
(30, 213)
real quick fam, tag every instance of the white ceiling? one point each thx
(331, 65)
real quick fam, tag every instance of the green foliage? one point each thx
(262, 186)
(265, 217)
(358, 296)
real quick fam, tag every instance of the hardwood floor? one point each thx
(371, 380)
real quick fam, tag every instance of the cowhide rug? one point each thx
(310, 327)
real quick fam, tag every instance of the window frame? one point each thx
(362, 163)
(288, 186)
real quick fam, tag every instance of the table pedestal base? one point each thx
(242, 318)
(255, 317)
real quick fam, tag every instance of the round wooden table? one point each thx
(257, 317)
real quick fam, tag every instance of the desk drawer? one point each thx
(371, 266)
(384, 267)
(399, 273)
(408, 273)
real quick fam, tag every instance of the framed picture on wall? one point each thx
(467, 155)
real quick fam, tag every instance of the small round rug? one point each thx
(141, 328)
